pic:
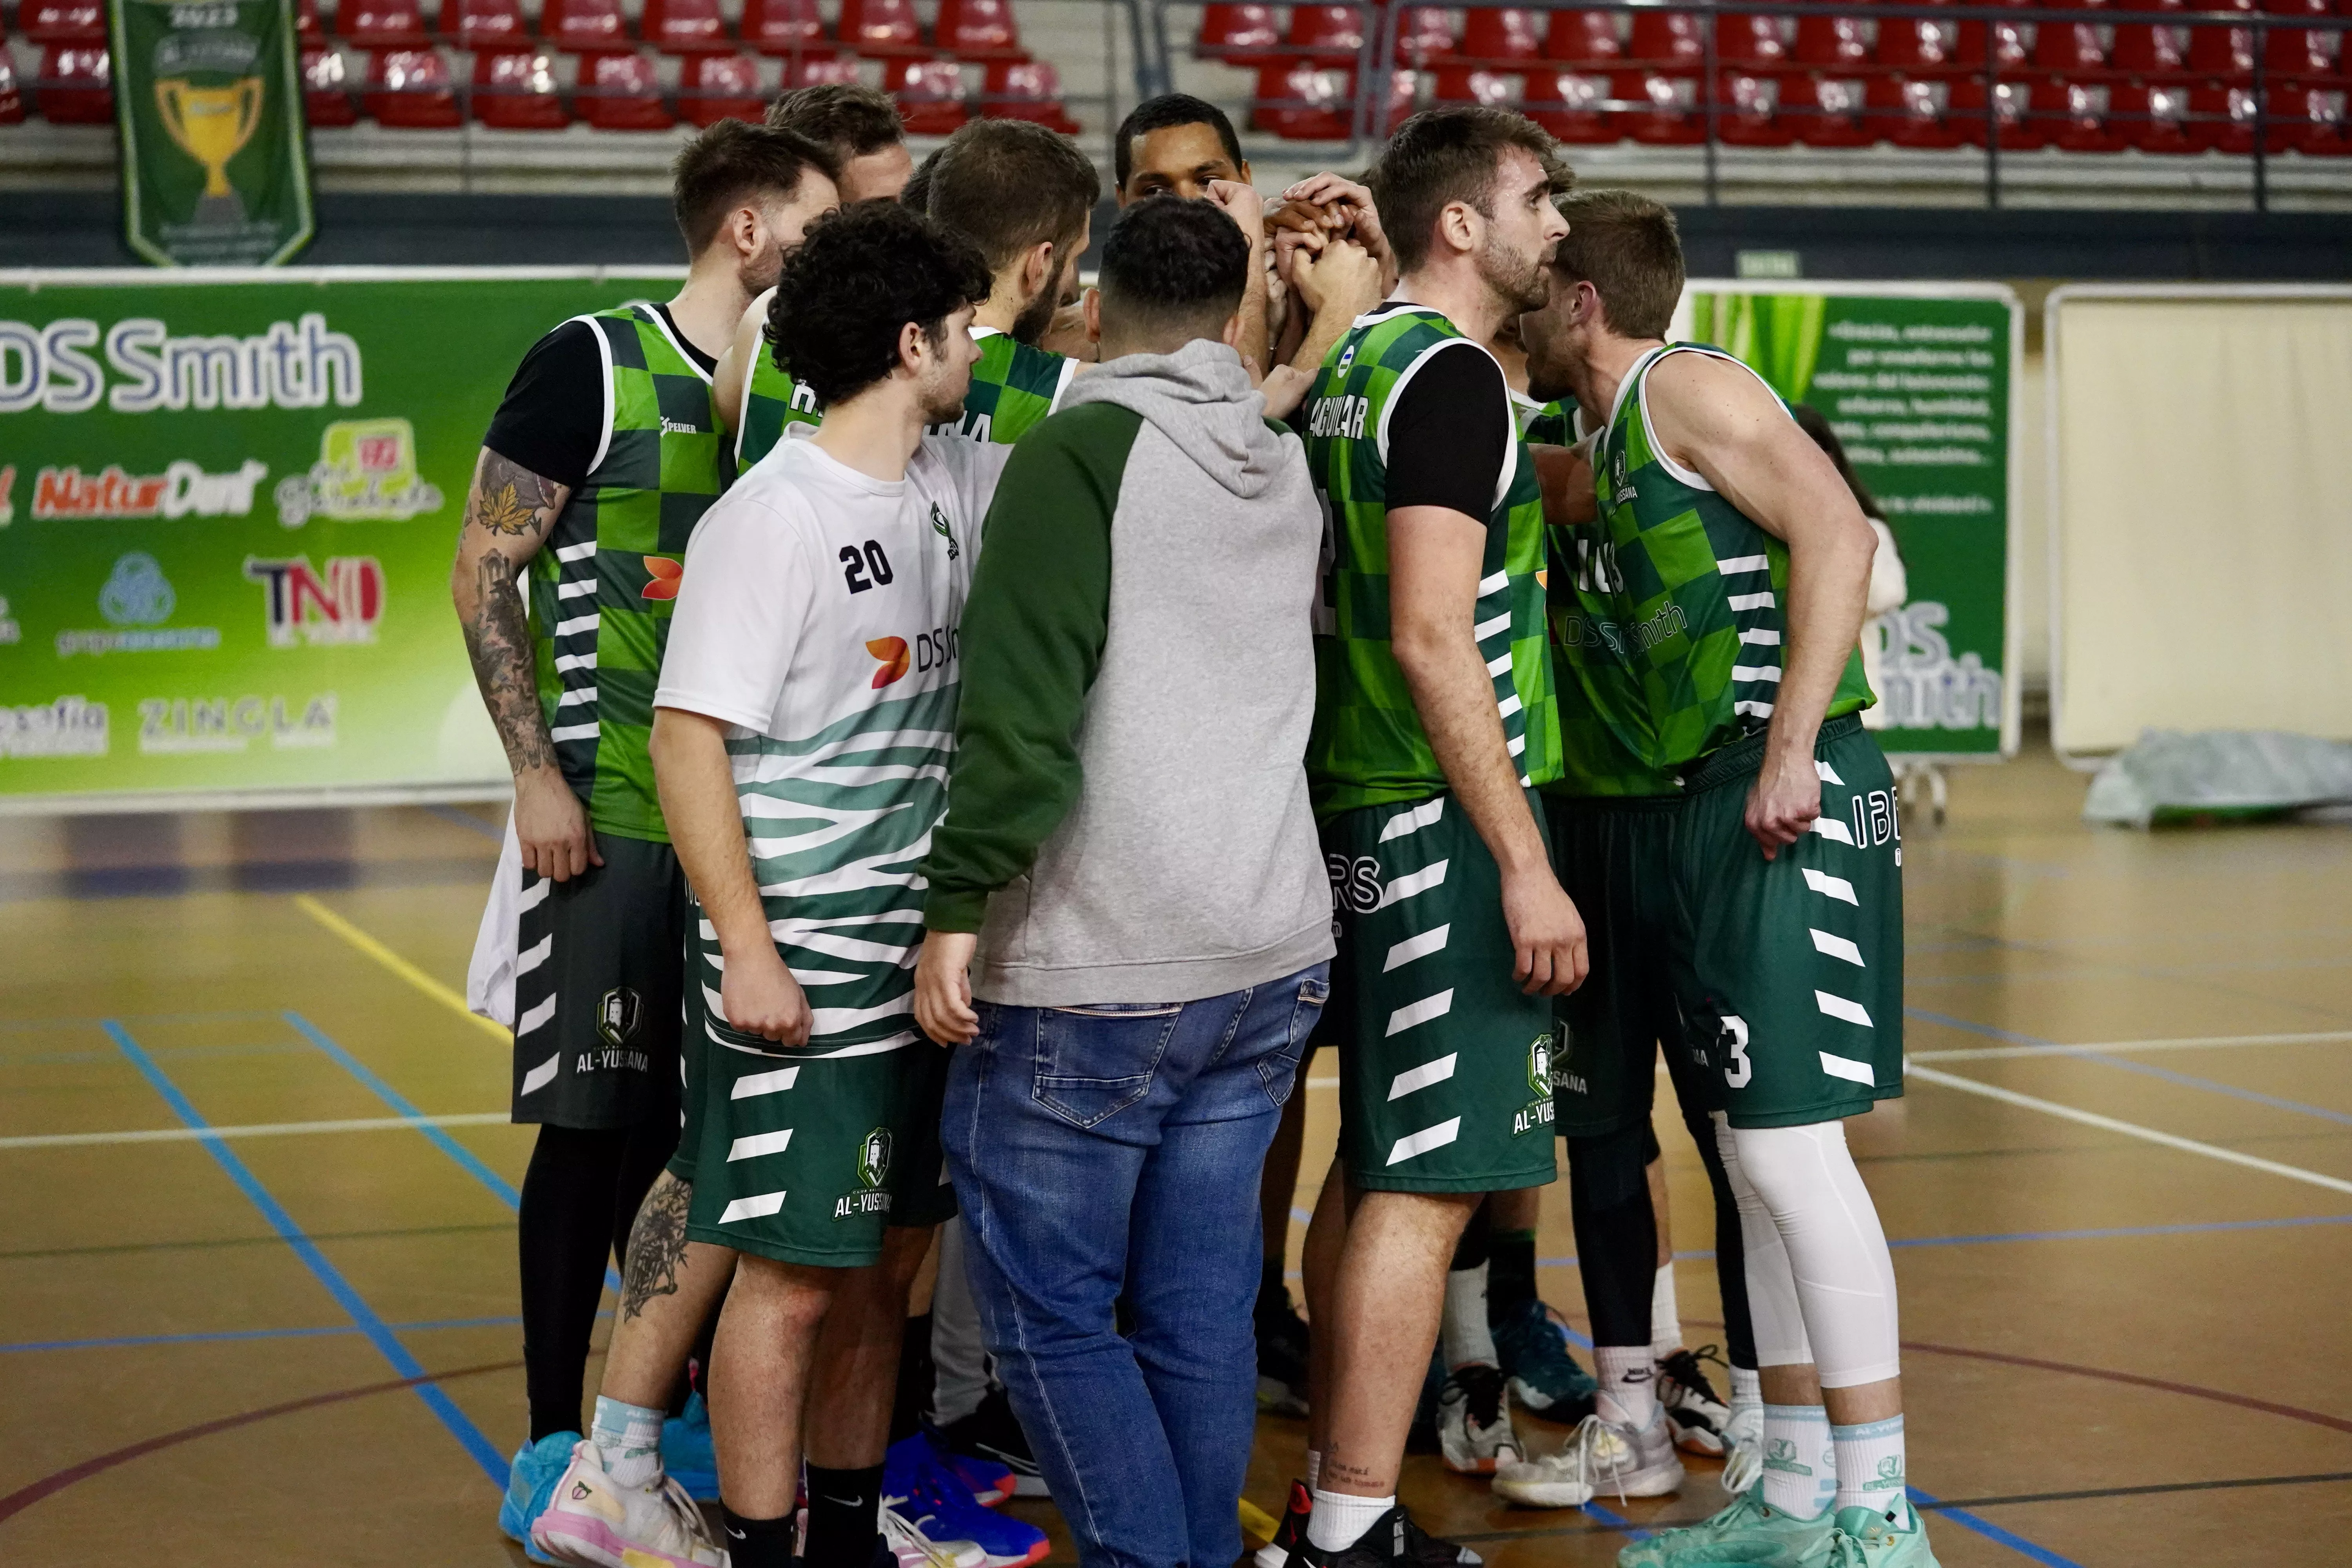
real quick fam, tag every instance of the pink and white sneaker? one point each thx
(594, 1520)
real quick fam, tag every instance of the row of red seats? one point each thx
(1506, 38)
(1308, 101)
(519, 89)
(978, 30)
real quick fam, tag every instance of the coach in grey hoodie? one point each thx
(1128, 847)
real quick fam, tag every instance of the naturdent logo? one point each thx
(896, 658)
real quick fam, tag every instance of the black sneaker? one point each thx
(1426, 1551)
(1394, 1540)
(1698, 1415)
(1281, 1354)
(991, 1432)
(1291, 1531)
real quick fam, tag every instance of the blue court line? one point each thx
(122, 1341)
(467, 819)
(378, 1333)
(472, 1163)
(2149, 1069)
(1993, 1533)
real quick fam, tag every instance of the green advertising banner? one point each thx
(1919, 383)
(229, 504)
(216, 164)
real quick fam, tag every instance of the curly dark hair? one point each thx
(861, 275)
(1169, 262)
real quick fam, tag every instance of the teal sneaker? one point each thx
(1750, 1531)
(530, 1487)
(1544, 1377)
(1868, 1539)
(687, 1456)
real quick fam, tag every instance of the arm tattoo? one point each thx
(497, 640)
(509, 499)
(657, 1244)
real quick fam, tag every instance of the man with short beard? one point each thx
(1434, 719)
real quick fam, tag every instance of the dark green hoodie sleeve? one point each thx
(1032, 638)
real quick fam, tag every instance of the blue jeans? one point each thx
(1110, 1151)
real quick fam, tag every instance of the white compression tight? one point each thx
(1821, 1283)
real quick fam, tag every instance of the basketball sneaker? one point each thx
(1698, 1417)
(1750, 1531)
(1743, 1459)
(1394, 1540)
(912, 1544)
(991, 1436)
(1602, 1460)
(531, 1483)
(1292, 1529)
(592, 1519)
(686, 1455)
(1868, 1539)
(1474, 1422)
(1544, 1377)
(936, 1500)
(1281, 1354)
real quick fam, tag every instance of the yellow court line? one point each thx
(256, 1130)
(398, 965)
(1257, 1522)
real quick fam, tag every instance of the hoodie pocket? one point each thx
(1094, 1062)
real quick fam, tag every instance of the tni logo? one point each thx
(341, 604)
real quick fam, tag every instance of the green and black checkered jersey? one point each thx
(1012, 387)
(1368, 746)
(1544, 424)
(601, 585)
(1688, 589)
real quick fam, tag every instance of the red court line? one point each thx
(2244, 1402)
(18, 1501)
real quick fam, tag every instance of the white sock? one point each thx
(1804, 1482)
(1665, 1318)
(1629, 1384)
(1870, 1468)
(1468, 1341)
(628, 1439)
(1314, 1468)
(1339, 1520)
(1747, 1392)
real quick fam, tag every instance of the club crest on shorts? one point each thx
(618, 1013)
(1536, 1112)
(873, 1170)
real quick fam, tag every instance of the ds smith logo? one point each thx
(342, 604)
(930, 651)
(894, 655)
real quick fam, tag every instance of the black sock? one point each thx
(1510, 1274)
(1272, 1289)
(916, 1373)
(757, 1543)
(843, 1509)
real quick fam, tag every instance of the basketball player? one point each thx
(592, 475)
(1435, 716)
(860, 127)
(1726, 582)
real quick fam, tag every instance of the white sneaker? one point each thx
(592, 1519)
(1602, 1460)
(1743, 1459)
(1474, 1422)
(916, 1550)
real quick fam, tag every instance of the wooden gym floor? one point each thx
(2118, 1190)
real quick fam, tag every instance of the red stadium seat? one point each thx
(2221, 51)
(1751, 41)
(1500, 37)
(1670, 118)
(1747, 111)
(686, 28)
(2068, 49)
(515, 90)
(1325, 34)
(484, 23)
(62, 21)
(786, 27)
(1836, 43)
(881, 29)
(1966, 114)
(2152, 117)
(1582, 38)
(1665, 39)
(1918, 48)
(2146, 50)
(2008, 40)
(1026, 89)
(1240, 34)
(620, 92)
(76, 85)
(409, 90)
(1911, 112)
(12, 102)
(1302, 101)
(712, 88)
(2073, 114)
(1473, 84)
(2297, 54)
(2311, 117)
(929, 95)
(979, 30)
(1567, 104)
(1426, 35)
(585, 27)
(326, 87)
(1826, 110)
(382, 23)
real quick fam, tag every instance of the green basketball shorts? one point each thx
(601, 959)
(806, 1154)
(693, 1041)
(1614, 858)
(1791, 971)
(1444, 1067)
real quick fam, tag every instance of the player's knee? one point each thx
(1607, 1171)
(1786, 1167)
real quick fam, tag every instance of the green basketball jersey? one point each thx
(1544, 424)
(1368, 747)
(1687, 590)
(1012, 387)
(601, 586)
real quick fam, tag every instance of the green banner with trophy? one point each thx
(215, 165)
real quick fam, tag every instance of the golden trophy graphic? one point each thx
(211, 125)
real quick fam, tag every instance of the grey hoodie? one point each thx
(1129, 806)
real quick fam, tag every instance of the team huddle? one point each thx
(973, 742)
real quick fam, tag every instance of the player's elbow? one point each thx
(1424, 645)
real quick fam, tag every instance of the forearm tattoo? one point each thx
(657, 1244)
(508, 502)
